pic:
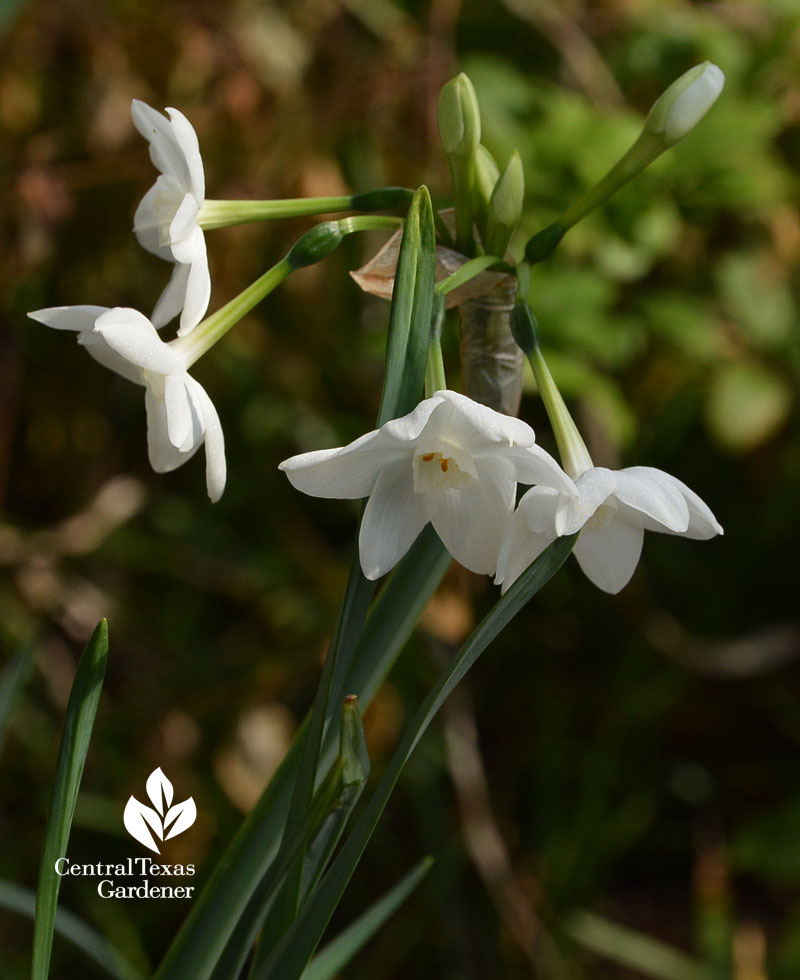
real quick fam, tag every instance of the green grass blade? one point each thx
(327, 834)
(212, 921)
(13, 679)
(81, 710)
(337, 954)
(412, 305)
(318, 832)
(15, 898)
(296, 948)
(633, 949)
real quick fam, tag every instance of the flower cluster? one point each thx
(456, 464)
(180, 415)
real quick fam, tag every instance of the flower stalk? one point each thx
(674, 114)
(223, 214)
(575, 456)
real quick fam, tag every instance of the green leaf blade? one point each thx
(293, 953)
(337, 954)
(78, 724)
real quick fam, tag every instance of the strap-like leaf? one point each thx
(633, 949)
(15, 898)
(222, 904)
(337, 954)
(292, 954)
(410, 320)
(81, 710)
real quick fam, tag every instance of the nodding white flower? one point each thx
(451, 461)
(612, 511)
(166, 220)
(180, 415)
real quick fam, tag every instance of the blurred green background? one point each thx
(634, 757)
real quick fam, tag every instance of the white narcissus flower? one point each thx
(166, 220)
(451, 461)
(612, 511)
(180, 415)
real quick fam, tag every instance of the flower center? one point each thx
(434, 471)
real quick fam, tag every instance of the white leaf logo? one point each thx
(165, 821)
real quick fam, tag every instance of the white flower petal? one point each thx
(472, 521)
(164, 457)
(69, 317)
(393, 518)
(184, 220)
(148, 221)
(595, 486)
(186, 139)
(351, 471)
(656, 494)
(198, 286)
(530, 531)
(608, 555)
(166, 152)
(170, 302)
(216, 467)
(537, 508)
(133, 336)
(345, 473)
(98, 348)
(532, 464)
(701, 522)
(178, 410)
(472, 426)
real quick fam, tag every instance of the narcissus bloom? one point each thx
(180, 415)
(166, 220)
(451, 461)
(612, 511)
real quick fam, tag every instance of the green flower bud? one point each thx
(317, 243)
(486, 174)
(459, 118)
(685, 102)
(505, 206)
(524, 327)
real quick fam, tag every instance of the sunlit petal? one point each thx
(608, 555)
(393, 518)
(133, 336)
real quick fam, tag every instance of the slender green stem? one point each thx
(468, 271)
(646, 148)
(313, 246)
(369, 222)
(221, 214)
(575, 456)
(462, 172)
(207, 333)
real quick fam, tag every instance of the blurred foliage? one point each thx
(642, 751)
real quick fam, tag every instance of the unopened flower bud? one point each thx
(685, 102)
(486, 174)
(459, 118)
(505, 206)
(317, 244)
